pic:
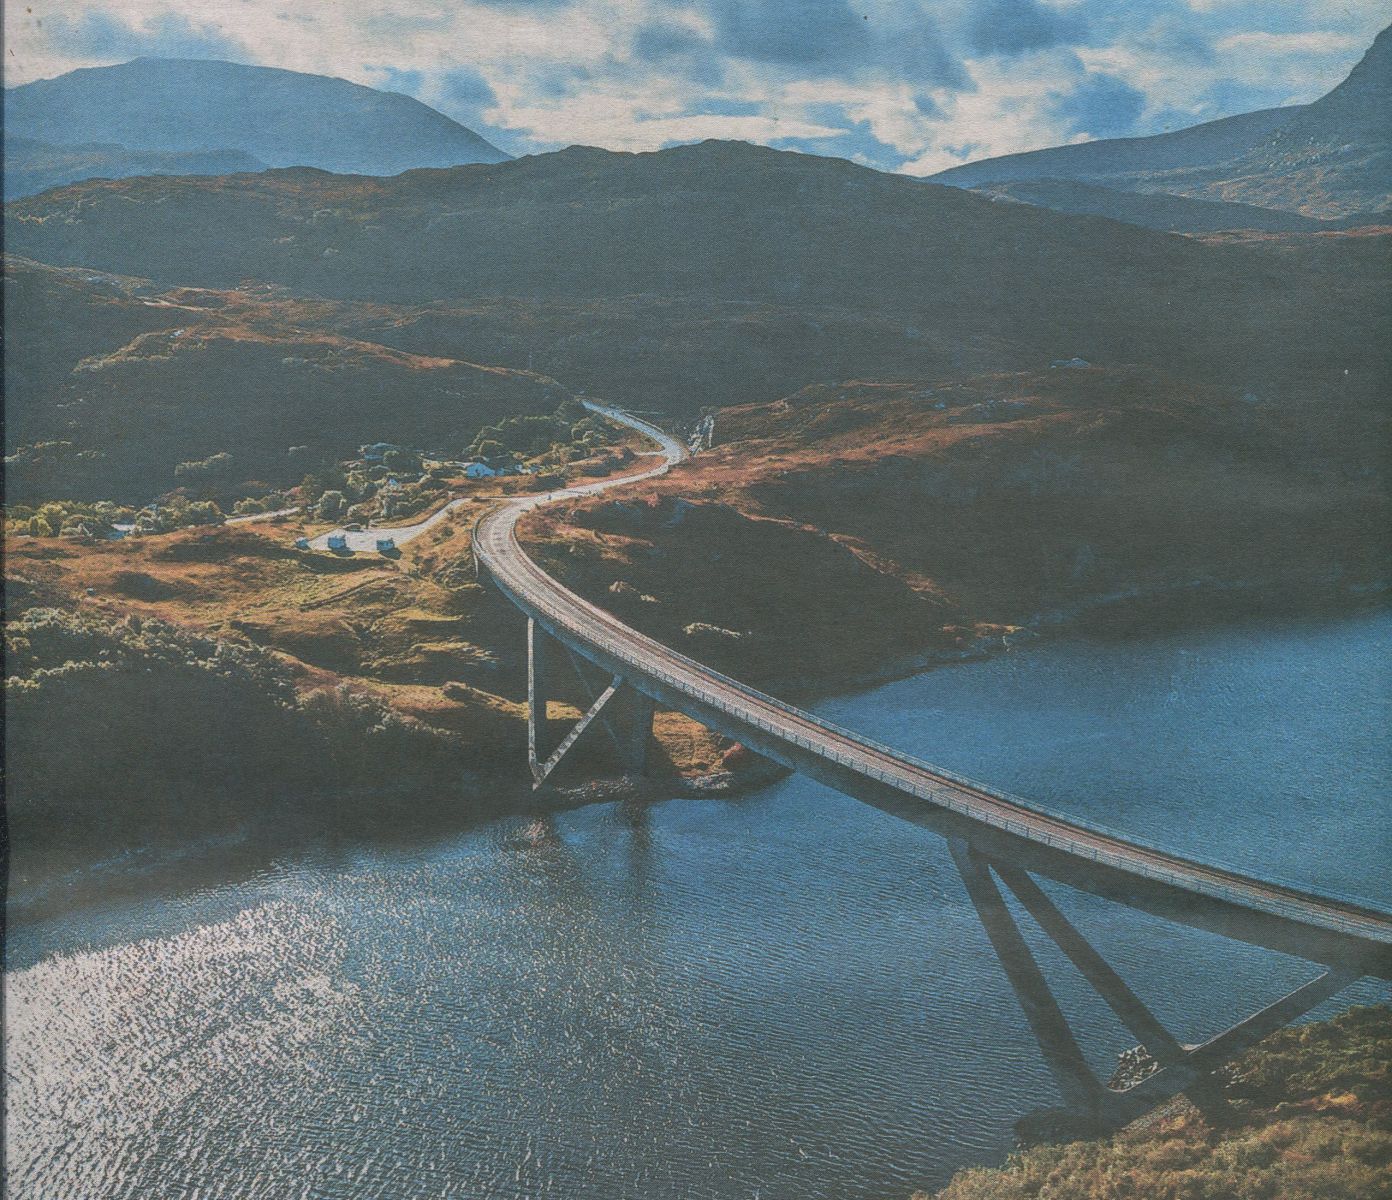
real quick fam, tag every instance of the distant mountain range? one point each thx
(1156, 210)
(720, 269)
(32, 166)
(155, 106)
(1331, 158)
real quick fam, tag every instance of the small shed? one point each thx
(385, 545)
(301, 543)
(338, 541)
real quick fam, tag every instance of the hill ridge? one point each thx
(282, 117)
(1329, 158)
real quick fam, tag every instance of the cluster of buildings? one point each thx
(376, 454)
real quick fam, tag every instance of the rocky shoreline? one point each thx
(1119, 613)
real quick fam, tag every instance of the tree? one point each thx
(203, 512)
(212, 467)
(38, 527)
(332, 505)
(402, 462)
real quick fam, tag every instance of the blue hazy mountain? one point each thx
(1203, 145)
(1329, 158)
(32, 166)
(282, 118)
(1154, 210)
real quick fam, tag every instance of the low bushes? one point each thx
(113, 725)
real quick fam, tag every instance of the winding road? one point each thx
(1345, 933)
(365, 540)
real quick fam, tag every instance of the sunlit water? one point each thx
(784, 996)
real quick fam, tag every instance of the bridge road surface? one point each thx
(1320, 928)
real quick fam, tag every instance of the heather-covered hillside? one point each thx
(1311, 1119)
(114, 383)
(680, 270)
(902, 518)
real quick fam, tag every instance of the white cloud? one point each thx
(563, 72)
(1006, 114)
(1274, 44)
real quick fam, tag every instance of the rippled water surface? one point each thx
(785, 996)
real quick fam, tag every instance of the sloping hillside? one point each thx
(32, 166)
(1154, 210)
(721, 219)
(283, 118)
(588, 240)
(1309, 1119)
(1331, 158)
(112, 384)
(997, 501)
(1209, 144)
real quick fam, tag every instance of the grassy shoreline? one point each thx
(1311, 1119)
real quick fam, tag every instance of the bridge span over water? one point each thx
(995, 839)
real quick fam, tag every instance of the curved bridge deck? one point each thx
(1319, 928)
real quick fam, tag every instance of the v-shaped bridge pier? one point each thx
(616, 708)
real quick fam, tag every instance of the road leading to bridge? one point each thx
(1005, 828)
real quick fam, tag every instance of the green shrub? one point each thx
(331, 506)
(161, 714)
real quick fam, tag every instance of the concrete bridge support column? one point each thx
(1178, 1068)
(545, 660)
(625, 714)
(629, 720)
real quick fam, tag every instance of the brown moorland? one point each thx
(906, 518)
(668, 277)
(1311, 1119)
(119, 382)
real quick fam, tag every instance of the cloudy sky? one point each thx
(903, 85)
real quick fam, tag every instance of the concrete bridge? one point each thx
(997, 841)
